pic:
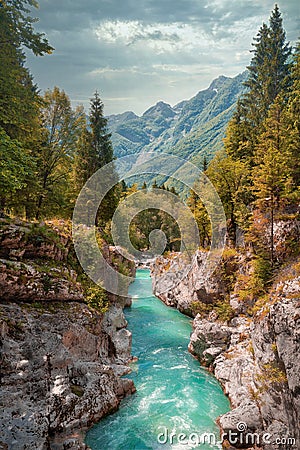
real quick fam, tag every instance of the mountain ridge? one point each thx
(191, 129)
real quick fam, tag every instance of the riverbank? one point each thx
(64, 345)
(249, 345)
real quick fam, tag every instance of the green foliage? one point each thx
(224, 310)
(201, 308)
(121, 266)
(15, 167)
(262, 273)
(17, 15)
(202, 218)
(19, 99)
(291, 117)
(61, 128)
(94, 151)
(259, 180)
(272, 175)
(149, 219)
(42, 234)
(272, 374)
(46, 282)
(253, 285)
(77, 390)
(221, 307)
(230, 179)
(96, 298)
(228, 268)
(269, 75)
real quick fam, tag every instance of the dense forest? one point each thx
(49, 149)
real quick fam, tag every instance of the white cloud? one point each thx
(112, 71)
(190, 69)
(161, 37)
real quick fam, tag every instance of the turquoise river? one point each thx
(177, 401)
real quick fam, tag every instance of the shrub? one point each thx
(272, 374)
(200, 308)
(96, 298)
(224, 310)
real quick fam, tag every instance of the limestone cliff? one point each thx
(61, 359)
(250, 343)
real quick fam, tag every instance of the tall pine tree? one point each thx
(292, 118)
(268, 76)
(94, 152)
(272, 176)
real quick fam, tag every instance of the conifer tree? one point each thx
(269, 69)
(268, 76)
(292, 117)
(19, 100)
(204, 163)
(272, 176)
(95, 151)
(95, 148)
(239, 139)
(155, 185)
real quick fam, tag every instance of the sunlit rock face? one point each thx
(61, 361)
(253, 356)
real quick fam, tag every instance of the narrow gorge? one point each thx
(177, 402)
(67, 360)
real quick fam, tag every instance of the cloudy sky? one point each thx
(137, 52)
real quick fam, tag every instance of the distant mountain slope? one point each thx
(191, 129)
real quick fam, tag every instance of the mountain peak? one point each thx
(218, 82)
(124, 117)
(191, 129)
(162, 109)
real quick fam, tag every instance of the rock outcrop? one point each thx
(181, 294)
(61, 360)
(33, 263)
(254, 356)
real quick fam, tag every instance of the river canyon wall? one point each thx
(251, 343)
(61, 358)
